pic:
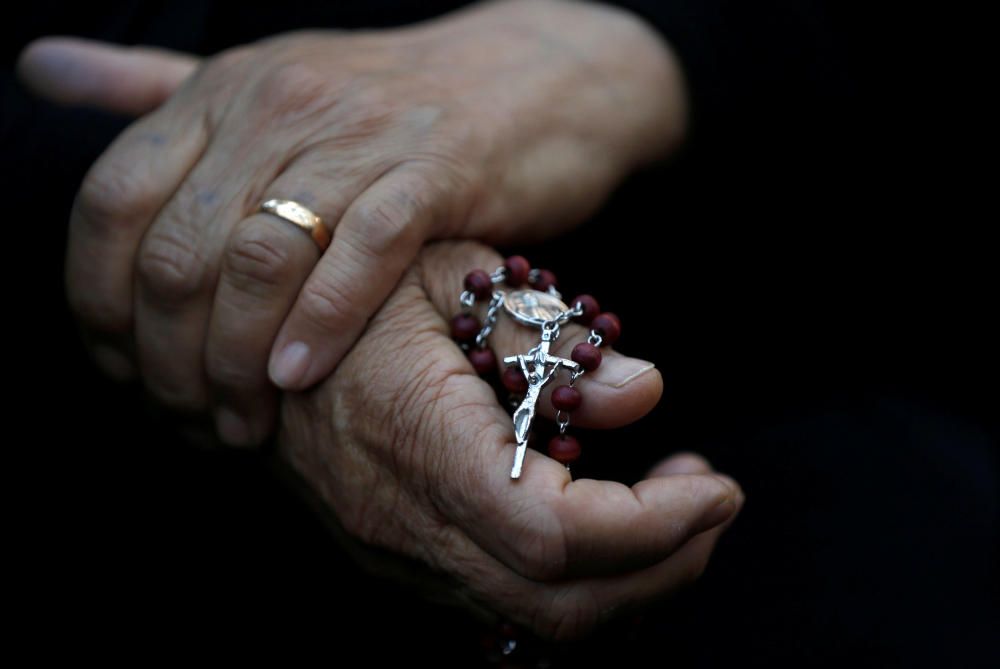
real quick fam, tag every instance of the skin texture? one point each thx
(509, 121)
(491, 123)
(410, 451)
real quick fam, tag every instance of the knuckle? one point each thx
(169, 267)
(394, 218)
(258, 254)
(323, 303)
(383, 225)
(111, 198)
(228, 369)
(100, 314)
(98, 310)
(231, 57)
(175, 397)
(293, 92)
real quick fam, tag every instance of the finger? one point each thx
(255, 155)
(375, 241)
(546, 527)
(680, 463)
(578, 606)
(79, 71)
(118, 199)
(607, 527)
(266, 262)
(616, 595)
(177, 266)
(568, 609)
(618, 392)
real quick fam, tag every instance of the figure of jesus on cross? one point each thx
(535, 364)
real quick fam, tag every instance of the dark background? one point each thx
(820, 298)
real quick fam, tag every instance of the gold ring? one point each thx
(293, 212)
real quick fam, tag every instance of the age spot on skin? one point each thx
(207, 197)
(154, 138)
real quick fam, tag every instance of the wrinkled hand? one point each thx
(412, 452)
(508, 121)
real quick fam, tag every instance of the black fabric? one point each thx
(828, 340)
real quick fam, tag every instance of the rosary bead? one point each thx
(483, 360)
(464, 327)
(567, 399)
(587, 356)
(518, 269)
(514, 381)
(590, 308)
(544, 281)
(608, 326)
(479, 284)
(564, 448)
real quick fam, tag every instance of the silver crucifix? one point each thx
(545, 310)
(539, 367)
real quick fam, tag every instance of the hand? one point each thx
(509, 121)
(411, 452)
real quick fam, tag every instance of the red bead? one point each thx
(464, 327)
(544, 280)
(483, 360)
(587, 356)
(564, 448)
(565, 398)
(608, 326)
(479, 284)
(514, 381)
(518, 269)
(590, 308)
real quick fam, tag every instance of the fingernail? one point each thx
(232, 428)
(728, 480)
(288, 368)
(682, 463)
(721, 513)
(619, 371)
(113, 363)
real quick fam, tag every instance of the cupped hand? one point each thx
(412, 452)
(508, 121)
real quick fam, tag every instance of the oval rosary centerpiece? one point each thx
(533, 307)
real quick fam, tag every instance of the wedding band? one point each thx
(293, 212)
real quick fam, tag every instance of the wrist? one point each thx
(656, 88)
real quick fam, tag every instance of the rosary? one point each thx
(539, 306)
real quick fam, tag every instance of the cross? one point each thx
(535, 366)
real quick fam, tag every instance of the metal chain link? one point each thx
(468, 300)
(499, 275)
(595, 339)
(491, 318)
(563, 419)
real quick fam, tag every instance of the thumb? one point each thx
(76, 71)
